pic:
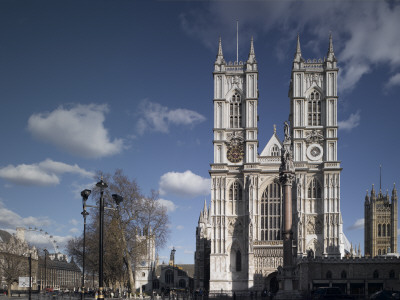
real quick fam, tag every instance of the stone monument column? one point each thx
(286, 273)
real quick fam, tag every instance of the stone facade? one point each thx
(380, 230)
(353, 275)
(242, 230)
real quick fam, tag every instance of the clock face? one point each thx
(235, 153)
(314, 152)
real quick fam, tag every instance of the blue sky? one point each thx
(100, 85)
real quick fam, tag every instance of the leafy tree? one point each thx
(122, 247)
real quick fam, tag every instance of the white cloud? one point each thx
(74, 222)
(393, 81)
(78, 130)
(169, 205)
(74, 230)
(180, 227)
(12, 220)
(44, 173)
(352, 122)
(358, 224)
(155, 117)
(186, 184)
(365, 33)
(188, 252)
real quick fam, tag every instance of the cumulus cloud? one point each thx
(169, 205)
(393, 81)
(45, 173)
(158, 118)
(74, 222)
(186, 184)
(365, 33)
(352, 122)
(12, 220)
(358, 224)
(78, 130)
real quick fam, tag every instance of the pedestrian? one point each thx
(234, 296)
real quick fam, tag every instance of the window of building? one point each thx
(343, 275)
(391, 274)
(156, 284)
(169, 277)
(143, 274)
(235, 197)
(379, 252)
(388, 229)
(384, 230)
(238, 261)
(275, 151)
(379, 230)
(329, 275)
(314, 193)
(314, 109)
(182, 283)
(375, 274)
(271, 207)
(235, 111)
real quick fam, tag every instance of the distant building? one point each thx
(55, 272)
(380, 230)
(15, 254)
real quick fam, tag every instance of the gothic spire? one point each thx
(331, 53)
(220, 56)
(373, 194)
(394, 192)
(367, 198)
(297, 55)
(205, 206)
(252, 56)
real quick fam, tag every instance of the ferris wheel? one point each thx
(49, 237)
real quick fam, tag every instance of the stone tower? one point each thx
(380, 230)
(313, 125)
(235, 152)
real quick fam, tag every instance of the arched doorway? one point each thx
(274, 285)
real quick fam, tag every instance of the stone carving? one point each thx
(314, 136)
(286, 155)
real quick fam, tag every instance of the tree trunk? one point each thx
(128, 261)
(9, 290)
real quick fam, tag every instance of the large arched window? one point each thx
(314, 109)
(235, 197)
(275, 151)
(238, 261)
(379, 230)
(314, 193)
(235, 111)
(271, 211)
(169, 277)
(182, 283)
(384, 230)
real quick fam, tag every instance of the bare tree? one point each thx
(122, 247)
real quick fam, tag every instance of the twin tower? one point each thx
(239, 236)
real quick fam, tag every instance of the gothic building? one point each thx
(242, 229)
(380, 230)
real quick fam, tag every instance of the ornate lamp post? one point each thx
(30, 276)
(85, 195)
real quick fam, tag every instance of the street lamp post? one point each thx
(30, 276)
(102, 185)
(85, 195)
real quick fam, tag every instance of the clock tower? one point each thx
(313, 118)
